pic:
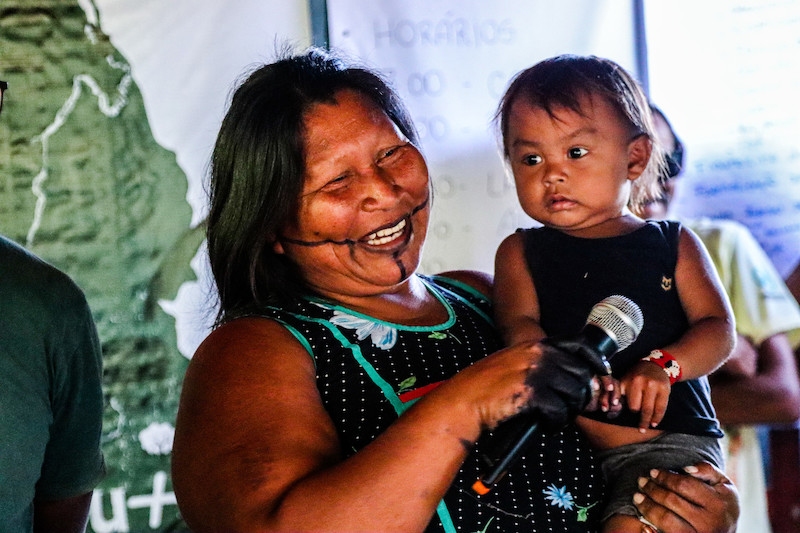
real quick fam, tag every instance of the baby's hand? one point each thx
(606, 396)
(647, 387)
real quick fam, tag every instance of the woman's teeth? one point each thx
(386, 235)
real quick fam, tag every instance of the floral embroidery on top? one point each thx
(406, 385)
(583, 512)
(559, 497)
(438, 335)
(382, 335)
(486, 527)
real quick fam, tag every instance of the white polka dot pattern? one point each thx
(552, 487)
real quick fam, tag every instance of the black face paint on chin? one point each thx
(402, 268)
(396, 254)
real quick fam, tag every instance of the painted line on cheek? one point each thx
(348, 242)
(317, 243)
(420, 207)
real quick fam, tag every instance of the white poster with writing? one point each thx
(451, 62)
(728, 78)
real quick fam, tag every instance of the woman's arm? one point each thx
(480, 281)
(771, 396)
(255, 450)
(711, 335)
(743, 362)
(516, 306)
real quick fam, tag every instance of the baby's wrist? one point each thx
(668, 364)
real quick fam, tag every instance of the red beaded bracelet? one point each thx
(667, 362)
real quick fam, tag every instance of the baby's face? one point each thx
(573, 171)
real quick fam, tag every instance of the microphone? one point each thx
(613, 324)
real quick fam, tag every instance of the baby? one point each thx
(578, 137)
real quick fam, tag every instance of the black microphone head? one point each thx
(619, 317)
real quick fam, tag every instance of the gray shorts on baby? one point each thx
(624, 465)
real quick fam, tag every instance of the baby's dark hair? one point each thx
(560, 82)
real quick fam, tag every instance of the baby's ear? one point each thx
(639, 151)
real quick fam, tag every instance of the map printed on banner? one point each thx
(89, 190)
(112, 109)
(451, 62)
(728, 78)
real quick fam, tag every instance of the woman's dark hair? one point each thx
(257, 171)
(561, 82)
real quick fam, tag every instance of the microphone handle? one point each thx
(485, 483)
(591, 336)
(596, 337)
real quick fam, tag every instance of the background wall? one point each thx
(727, 75)
(106, 129)
(724, 72)
(114, 106)
(451, 62)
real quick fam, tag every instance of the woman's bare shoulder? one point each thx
(245, 363)
(250, 422)
(246, 340)
(480, 281)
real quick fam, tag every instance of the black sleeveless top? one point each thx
(370, 371)
(572, 274)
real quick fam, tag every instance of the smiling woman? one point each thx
(364, 203)
(341, 390)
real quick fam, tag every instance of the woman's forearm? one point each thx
(267, 458)
(771, 396)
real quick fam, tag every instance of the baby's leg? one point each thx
(620, 523)
(623, 466)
